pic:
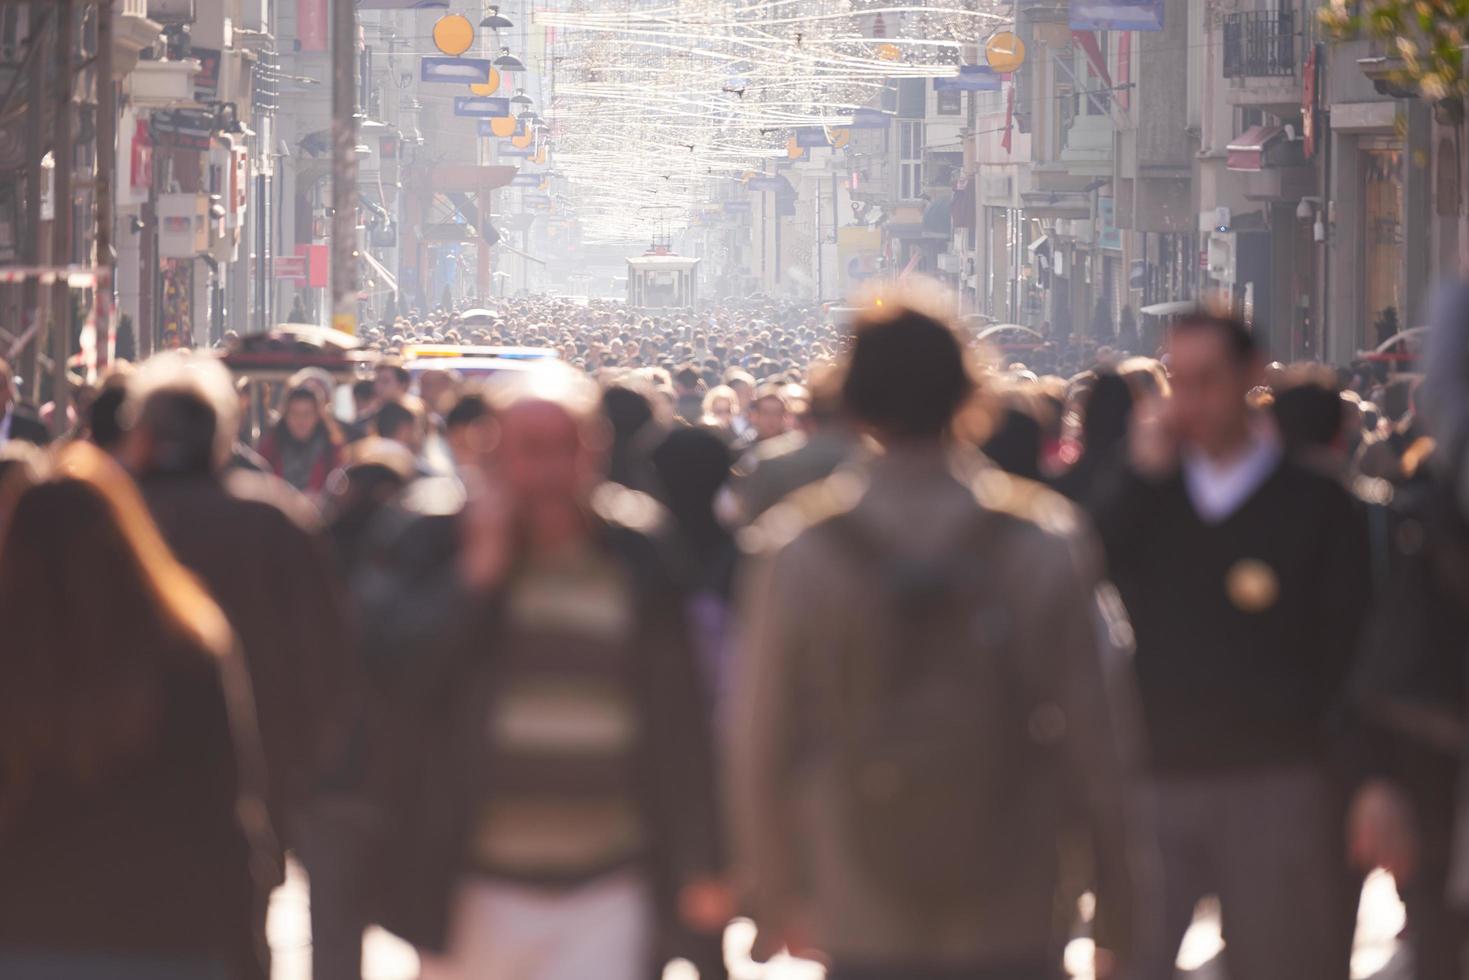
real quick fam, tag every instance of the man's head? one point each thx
(906, 375)
(469, 428)
(437, 387)
(686, 380)
(401, 421)
(1214, 363)
(391, 381)
(180, 414)
(1308, 409)
(364, 398)
(552, 438)
(769, 413)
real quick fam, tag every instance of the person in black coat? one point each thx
(15, 423)
(1246, 576)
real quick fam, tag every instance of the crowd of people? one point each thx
(924, 660)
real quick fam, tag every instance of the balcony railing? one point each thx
(1260, 44)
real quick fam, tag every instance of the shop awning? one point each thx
(1246, 151)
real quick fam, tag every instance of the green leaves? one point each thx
(1426, 37)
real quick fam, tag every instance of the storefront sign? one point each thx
(971, 78)
(1117, 15)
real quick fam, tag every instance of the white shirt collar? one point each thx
(5, 423)
(1217, 490)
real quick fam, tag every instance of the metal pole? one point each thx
(31, 245)
(64, 153)
(106, 164)
(344, 167)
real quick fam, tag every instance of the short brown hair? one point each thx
(906, 373)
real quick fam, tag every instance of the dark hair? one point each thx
(1108, 411)
(687, 376)
(470, 407)
(399, 372)
(392, 417)
(1235, 332)
(183, 426)
(102, 417)
(1308, 410)
(363, 391)
(906, 375)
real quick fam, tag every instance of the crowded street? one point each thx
(734, 490)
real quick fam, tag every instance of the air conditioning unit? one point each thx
(949, 262)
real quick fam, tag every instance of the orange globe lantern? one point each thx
(453, 34)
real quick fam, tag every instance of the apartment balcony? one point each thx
(132, 33)
(171, 11)
(1262, 58)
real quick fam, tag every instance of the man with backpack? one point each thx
(929, 699)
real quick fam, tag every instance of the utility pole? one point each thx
(344, 166)
(31, 251)
(64, 154)
(106, 165)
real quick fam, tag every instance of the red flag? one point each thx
(1094, 55)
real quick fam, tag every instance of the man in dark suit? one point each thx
(14, 424)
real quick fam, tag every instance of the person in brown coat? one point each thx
(253, 544)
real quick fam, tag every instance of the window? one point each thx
(912, 98)
(910, 160)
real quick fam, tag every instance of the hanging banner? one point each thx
(869, 119)
(971, 78)
(527, 180)
(478, 105)
(506, 150)
(311, 24)
(1117, 15)
(140, 177)
(809, 136)
(464, 71)
(769, 183)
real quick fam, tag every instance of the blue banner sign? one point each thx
(971, 78)
(869, 119)
(480, 105)
(1116, 15)
(464, 71)
(809, 136)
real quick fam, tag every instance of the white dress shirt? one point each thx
(1218, 489)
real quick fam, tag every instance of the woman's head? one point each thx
(92, 601)
(302, 412)
(721, 405)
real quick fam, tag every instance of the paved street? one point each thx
(1377, 955)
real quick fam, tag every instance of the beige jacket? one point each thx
(795, 866)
